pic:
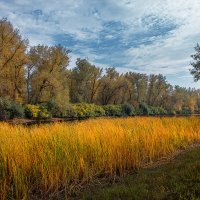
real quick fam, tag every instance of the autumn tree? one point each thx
(138, 89)
(112, 83)
(184, 98)
(85, 81)
(47, 75)
(158, 90)
(195, 71)
(12, 61)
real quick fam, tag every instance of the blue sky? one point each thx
(150, 36)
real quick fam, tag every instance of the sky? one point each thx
(144, 36)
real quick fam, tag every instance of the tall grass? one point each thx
(41, 161)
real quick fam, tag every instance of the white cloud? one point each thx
(169, 53)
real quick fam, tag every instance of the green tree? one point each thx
(195, 71)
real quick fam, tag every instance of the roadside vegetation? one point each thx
(46, 161)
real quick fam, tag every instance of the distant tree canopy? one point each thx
(40, 75)
(195, 71)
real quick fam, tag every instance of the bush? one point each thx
(5, 105)
(16, 111)
(35, 111)
(128, 110)
(83, 110)
(158, 111)
(31, 111)
(113, 110)
(144, 109)
(197, 111)
(185, 111)
(10, 110)
(43, 113)
(56, 110)
(99, 111)
(171, 112)
(137, 111)
(53, 109)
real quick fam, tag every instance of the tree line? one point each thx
(39, 75)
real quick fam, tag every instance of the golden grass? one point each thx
(45, 160)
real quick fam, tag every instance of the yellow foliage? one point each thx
(62, 156)
(12, 62)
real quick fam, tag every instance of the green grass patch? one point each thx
(178, 179)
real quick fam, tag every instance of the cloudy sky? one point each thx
(149, 36)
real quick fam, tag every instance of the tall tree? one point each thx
(84, 81)
(139, 84)
(158, 90)
(112, 84)
(12, 61)
(184, 98)
(47, 74)
(195, 71)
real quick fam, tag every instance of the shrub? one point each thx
(197, 111)
(35, 111)
(83, 110)
(31, 111)
(10, 110)
(185, 111)
(113, 110)
(56, 110)
(16, 111)
(43, 113)
(128, 109)
(52, 108)
(5, 105)
(99, 111)
(144, 109)
(171, 112)
(158, 111)
(137, 111)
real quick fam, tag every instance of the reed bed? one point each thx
(44, 161)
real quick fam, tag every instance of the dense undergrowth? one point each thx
(11, 110)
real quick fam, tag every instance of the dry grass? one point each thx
(43, 161)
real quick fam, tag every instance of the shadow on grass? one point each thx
(178, 179)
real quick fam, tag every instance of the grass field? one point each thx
(60, 159)
(178, 179)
